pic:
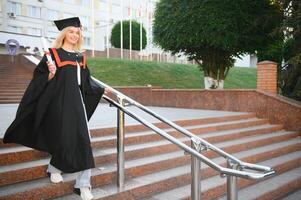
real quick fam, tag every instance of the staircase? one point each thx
(159, 170)
(14, 79)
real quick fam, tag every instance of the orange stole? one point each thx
(63, 63)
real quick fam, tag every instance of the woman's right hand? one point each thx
(51, 67)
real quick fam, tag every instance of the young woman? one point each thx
(54, 111)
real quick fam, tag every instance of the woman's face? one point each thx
(72, 35)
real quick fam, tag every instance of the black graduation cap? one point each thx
(63, 23)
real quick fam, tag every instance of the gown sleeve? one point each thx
(93, 93)
(35, 87)
(21, 129)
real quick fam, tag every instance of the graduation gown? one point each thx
(52, 115)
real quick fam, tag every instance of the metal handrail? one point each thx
(197, 144)
(242, 165)
(222, 170)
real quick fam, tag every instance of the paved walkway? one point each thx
(106, 116)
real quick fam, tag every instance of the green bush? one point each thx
(115, 35)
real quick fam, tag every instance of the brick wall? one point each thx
(267, 76)
(277, 109)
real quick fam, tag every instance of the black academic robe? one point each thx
(51, 115)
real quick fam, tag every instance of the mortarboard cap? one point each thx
(63, 23)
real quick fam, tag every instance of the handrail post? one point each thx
(120, 145)
(195, 171)
(232, 193)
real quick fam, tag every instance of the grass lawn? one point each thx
(117, 72)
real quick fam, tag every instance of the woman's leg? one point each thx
(54, 174)
(52, 169)
(83, 179)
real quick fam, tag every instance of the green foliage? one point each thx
(115, 35)
(213, 32)
(290, 71)
(121, 72)
(273, 52)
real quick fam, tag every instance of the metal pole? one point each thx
(108, 24)
(232, 193)
(195, 171)
(120, 145)
(93, 29)
(121, 31)
(140, 15)
(130, 29)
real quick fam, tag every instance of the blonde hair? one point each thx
(60, 39)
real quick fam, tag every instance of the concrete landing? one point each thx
(106, 116)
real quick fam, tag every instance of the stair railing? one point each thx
(234, 167)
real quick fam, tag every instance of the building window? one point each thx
(52, 34)
(87, 41)
(53, 15)
(34, 31)
(14, 29)
(14, 7)
(85, 21)
(86, 3)
(34, 11)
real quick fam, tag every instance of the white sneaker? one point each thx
(55, 177)
(84, 192)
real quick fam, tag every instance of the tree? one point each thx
(287, 49)
(115, 35)
(213, 32)
(290, 71)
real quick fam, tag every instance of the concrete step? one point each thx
(15, 81)
(226, 125)
(215, 187)
(13, 86)
(10, 101)
(294, 195)
(190, 122)
(42, 188)
(6, 94)
(10, 98)
(273, 188)
(15, 75)
(149, 136)
(18, 172)
(174, 180)
(21, 153)
(134, 129)
(8, 90)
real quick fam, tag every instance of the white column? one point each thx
(108, 26)
(147, 30)
(140, 15)
(121, 30)
(93, 31)
(130, 29)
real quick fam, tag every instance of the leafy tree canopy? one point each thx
(213, 32)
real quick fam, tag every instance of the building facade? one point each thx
(28, 20)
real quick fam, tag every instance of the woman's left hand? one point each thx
(107, 91)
